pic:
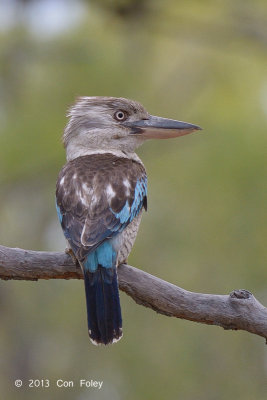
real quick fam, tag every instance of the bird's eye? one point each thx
(120, 115)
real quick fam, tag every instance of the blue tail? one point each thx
(103, 305)
(102, 298)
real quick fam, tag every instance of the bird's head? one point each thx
(112, 124)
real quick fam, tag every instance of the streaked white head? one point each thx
(117, 125)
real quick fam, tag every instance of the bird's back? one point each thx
(100, 198)
(99, 195)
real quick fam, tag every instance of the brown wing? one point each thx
(97, 197)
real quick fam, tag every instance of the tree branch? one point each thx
(239, 311)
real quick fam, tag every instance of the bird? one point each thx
(101, 193)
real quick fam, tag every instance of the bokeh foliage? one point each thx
(202, 62)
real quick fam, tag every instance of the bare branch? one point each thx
(239, 310)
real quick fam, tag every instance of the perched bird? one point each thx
(101, 193)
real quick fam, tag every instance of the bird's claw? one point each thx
(72, 255)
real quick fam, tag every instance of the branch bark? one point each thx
(239, 310)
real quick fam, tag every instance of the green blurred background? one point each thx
(202, 62)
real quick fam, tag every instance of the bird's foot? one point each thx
(72, 255)
(124, 262)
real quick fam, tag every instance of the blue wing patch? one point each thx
(105, 255)
(60, 216)
(128, 213)
(110, 222)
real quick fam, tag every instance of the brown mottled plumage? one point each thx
(86, 207)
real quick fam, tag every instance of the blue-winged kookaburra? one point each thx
(101, 193)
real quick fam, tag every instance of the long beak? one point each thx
(161, 128)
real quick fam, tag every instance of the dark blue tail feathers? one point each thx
(103, 305)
